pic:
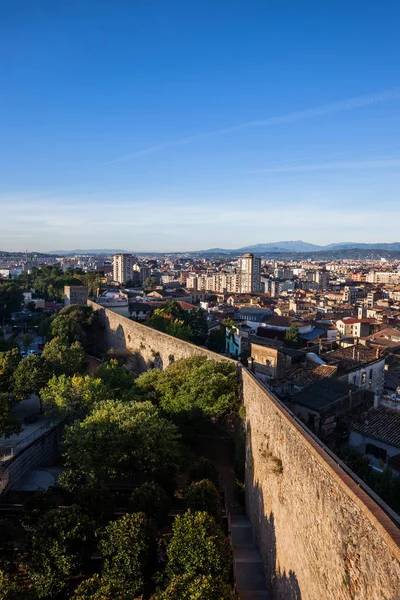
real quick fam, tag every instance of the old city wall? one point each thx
(322, 537)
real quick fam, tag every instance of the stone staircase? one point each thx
(247, 562)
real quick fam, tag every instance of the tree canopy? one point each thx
(151, 499)
(67, 329)
(186, 325)
(63, 357)
(9, 361)
(204, 496)
(123, 438)
(203, 468)
(73, 395)
(292, 337)
(30, 376)
(200, 587)
(56, 547)
(128, 548)
(194, 386)
(198, 547)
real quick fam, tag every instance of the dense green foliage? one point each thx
(11, 297)
(203, 468)
(186, 325)
(116, 379)
(73, 395)
(217, 340)
(121, 438)
(198, 547)
(194, 387)
(49, 281)
(128, 548)
(385, 484)
(63, 357)
(150, 499)
(8, 423)
(292, 337)
(56, 546)
(67, 330)
(199, 587)
(30, 376)
(9, 361)
(204, 496)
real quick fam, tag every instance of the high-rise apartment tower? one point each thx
(123, 267)
(249, 274)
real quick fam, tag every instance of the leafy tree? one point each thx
(11, 297)
(56, 548)
(195, 387)
(31, 375)
(199, 326)
(84, 315)
(172, 310)
(200, 587)
(8, 535)
(8, 423)
(203, 468)
(63, 357)
(73, 395)
(67, 329)
(115, 377)
(204, 496)
(179, 329)
(128, 547)
(27, 339)
(44, 327)
(198, 547)
(150, 282)
(9, 361)
(95, 500)
(95, 588)
(229, 323)
(292, 337)
(151, 499)
(171, 319)
(217, 340)
(123, 438)
(11, 589)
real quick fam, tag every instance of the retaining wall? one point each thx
(322, 537)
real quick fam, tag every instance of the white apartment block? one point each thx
(383, 277)
(249, 274)
(123, 267)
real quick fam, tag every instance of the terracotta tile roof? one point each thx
(187, 306)
(381, 423)
(309, 373)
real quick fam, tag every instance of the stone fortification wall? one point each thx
(322, 537)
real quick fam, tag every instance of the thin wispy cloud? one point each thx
(312, 113)
(370, 164)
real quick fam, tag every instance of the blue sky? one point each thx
(174, 125)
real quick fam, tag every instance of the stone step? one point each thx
(249, 577)
(242, 536)
(246, 554)
(255, 595)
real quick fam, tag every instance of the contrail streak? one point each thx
(303, 115)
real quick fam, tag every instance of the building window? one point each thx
(379, 453)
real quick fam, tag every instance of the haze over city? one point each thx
(159, 126)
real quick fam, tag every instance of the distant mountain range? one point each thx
(300, 246)
(284, 247)
(89, 251)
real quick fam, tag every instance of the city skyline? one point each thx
(179, 128)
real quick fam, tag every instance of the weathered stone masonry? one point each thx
(321, 536)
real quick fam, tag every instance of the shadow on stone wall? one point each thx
(283, 585)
